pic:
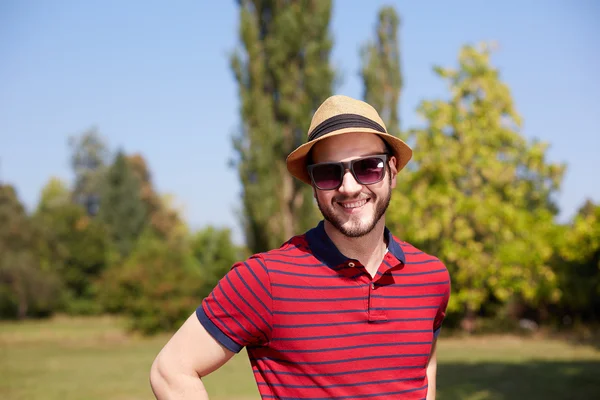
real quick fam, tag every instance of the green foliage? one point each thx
(216, 253)
(381, 70)
(162, 282)
(135, 257)
(578, 265)
(477, 195)
(283, 74)
(71, 244)
(156, 287)
(25, 288)
(54, 194)
(121, 207)
(582, 240)
(162, 218)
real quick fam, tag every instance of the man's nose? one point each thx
(349, 184)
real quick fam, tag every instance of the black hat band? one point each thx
(343, 121)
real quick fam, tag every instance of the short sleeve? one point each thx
(237, 313)
(441, 311)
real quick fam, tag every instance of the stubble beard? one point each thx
(355, 228)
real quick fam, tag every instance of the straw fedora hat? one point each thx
(338, 115)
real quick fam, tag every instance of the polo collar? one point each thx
(326, 251)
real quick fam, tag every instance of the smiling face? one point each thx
(354, 209)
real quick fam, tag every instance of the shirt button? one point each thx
(373, 286)
(351, 264)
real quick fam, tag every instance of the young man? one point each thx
(345, 310)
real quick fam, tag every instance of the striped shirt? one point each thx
(317, 326)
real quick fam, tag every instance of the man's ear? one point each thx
(393, 170)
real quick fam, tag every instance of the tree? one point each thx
(163, 219)
(156, 286)
(54, 194)
(477, 194)
(579, 265)
(25, 288)
(381, 71)
(88, 160)
(283, 74)
(72, 245)
(122, 209)
(216, 253)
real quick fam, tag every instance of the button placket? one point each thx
(376, 305)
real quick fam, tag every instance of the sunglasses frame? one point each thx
(349, 166)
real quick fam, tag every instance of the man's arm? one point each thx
(188, 356)
(432, 371)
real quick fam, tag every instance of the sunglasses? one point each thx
(366, 171)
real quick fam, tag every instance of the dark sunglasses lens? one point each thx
(327, 176)
(369, 170)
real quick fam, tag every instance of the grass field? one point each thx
(93, 358)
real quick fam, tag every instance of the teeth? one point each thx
(355, 204)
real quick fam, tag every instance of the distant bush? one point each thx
(156, 287)
(215, 252)
(25, 289)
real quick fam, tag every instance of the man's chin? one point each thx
(353, 226)
(356, 229)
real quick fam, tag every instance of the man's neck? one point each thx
(368, 249)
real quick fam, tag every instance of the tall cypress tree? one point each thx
(88, 160)
(381, 71)
(283, 74)
(121, 206)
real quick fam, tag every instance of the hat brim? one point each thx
(296, 160)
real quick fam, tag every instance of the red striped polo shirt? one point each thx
(317, 326)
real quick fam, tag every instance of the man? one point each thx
(345, 310)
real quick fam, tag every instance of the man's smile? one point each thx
(353, 206)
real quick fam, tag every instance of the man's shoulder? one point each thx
(416, 255)
(427, 266)
(297, 246)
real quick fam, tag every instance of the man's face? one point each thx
(354, 209)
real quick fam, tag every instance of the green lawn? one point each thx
(92, 358)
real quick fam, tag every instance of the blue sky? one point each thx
(154, 78)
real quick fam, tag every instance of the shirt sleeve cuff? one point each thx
(437, 332)
(216, 332)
